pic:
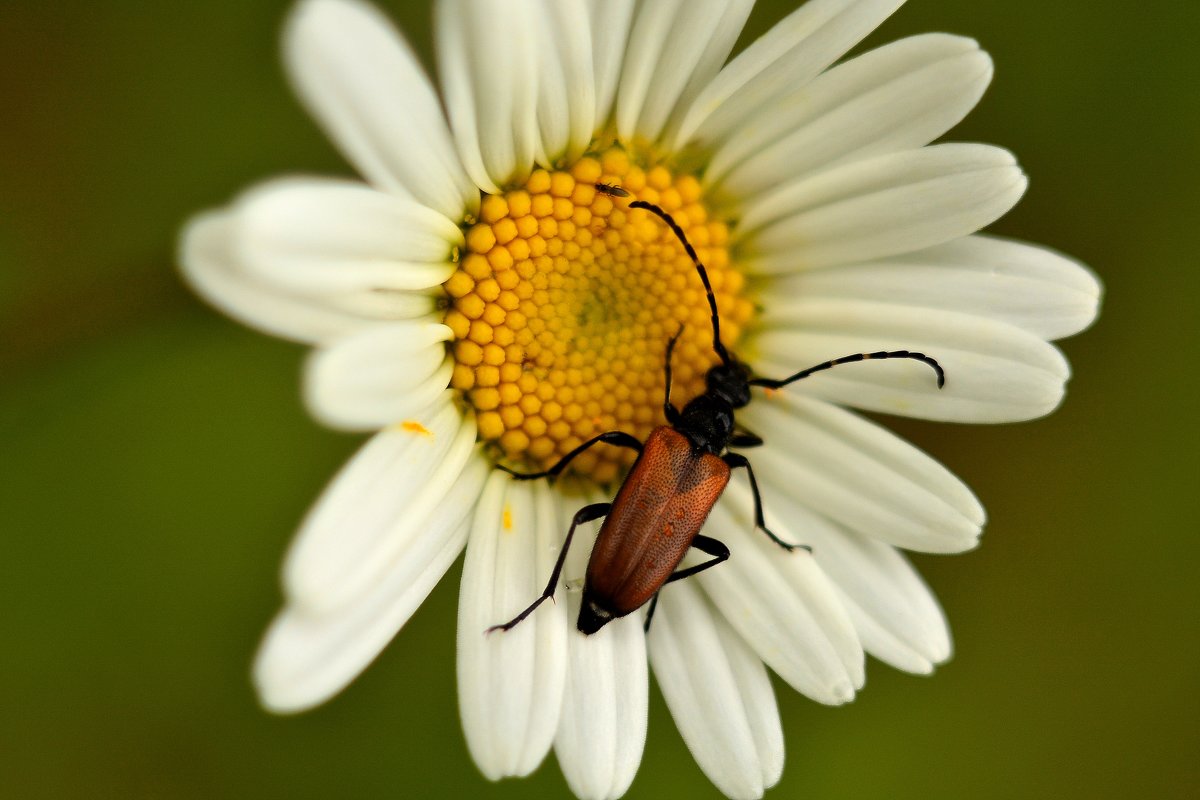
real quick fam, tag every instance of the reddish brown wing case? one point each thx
(657, 513)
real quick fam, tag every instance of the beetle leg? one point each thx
(735, 460)
(585, 514)
(705, 544)
(618, 438)
(671, 412)
(650, 612)
(745, 439)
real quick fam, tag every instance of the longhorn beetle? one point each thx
(680, 472)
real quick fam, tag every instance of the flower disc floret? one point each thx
(563, 303)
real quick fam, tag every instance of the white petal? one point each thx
(211, 268)
(378, 376)
(885, 638)
(510, 683)
(676, 86)
(861, 475)
(603, 727)
(719, 693)
(382, 305)
(377, 501)
(901, 96)
(789, 55)
(674, 47)
(781, 604)
(329, 236)
(487, 57)
(896, 616)
(882, 206)
(566, 82)
(1033, 288)
(611, 20)
(994, 372)
(306, 658)
(648, 36)
(361, 81)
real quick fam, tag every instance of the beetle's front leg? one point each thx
(617, 438)
(669, 410)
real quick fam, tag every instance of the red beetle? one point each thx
(680, 472)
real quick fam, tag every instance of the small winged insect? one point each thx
(611, 190)
(680, 472)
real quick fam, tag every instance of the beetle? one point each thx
(679, 474)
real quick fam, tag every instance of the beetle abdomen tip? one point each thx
(592, 617)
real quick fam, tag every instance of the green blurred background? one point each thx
(154, 457)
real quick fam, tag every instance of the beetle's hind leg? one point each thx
(735, 460)
(585, 514)
(650, 612)
(705, 544)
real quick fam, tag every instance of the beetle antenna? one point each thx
(691, 251)
(770, 383)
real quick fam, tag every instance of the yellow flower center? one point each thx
(563, 303)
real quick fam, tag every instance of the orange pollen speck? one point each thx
(563, 303)
(412, 426)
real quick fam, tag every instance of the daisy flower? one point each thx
(476, 301)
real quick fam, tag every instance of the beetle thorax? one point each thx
(707, 421)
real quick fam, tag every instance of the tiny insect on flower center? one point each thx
(563, 303)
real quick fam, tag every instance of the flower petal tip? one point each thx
(842, 693)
